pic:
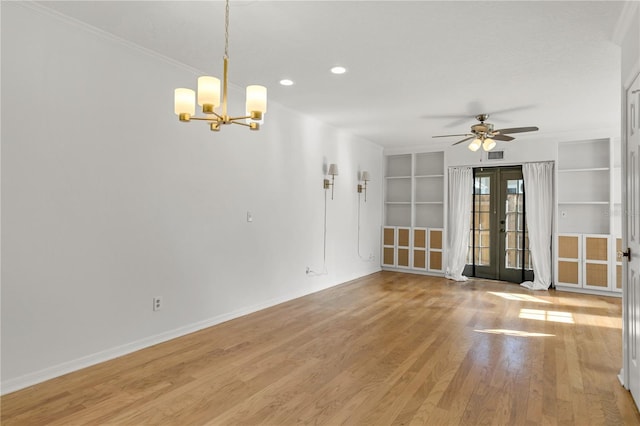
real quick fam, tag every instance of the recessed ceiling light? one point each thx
(286, 82)
(338, 70)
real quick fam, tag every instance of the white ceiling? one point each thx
(415, 68)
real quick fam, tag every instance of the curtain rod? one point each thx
(475, 166)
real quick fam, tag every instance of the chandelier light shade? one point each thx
(185, 102)
(208, 92)
(213, 100)
(257, 100)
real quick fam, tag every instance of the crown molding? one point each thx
(625, 20)
(105, 35)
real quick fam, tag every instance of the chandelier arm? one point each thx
(219, 119)
(211, 120)
(240, 123)
(244, 117)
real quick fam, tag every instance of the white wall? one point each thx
(627, 35)
(108, 201)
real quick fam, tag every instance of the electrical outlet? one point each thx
(157, 303)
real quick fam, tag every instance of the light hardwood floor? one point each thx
(385, 349)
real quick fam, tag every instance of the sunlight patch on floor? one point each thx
(552, 316)
(519, 297)
(518, 333)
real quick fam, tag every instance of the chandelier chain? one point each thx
(226, 31)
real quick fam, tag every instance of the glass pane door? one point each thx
(499, 243)
(516, 258)
(483, 223)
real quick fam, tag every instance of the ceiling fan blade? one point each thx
(464, 140)
(505, 138)
(446, 136)
(516, 130)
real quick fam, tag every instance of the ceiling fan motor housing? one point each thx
(482, 128)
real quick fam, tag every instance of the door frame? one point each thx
(627, 302)
(497, 268)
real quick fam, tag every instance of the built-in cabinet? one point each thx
(413, 234)
(587, 261)
(418, 249)
(589, 223)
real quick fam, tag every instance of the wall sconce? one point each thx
(333, 172)
(364, 177)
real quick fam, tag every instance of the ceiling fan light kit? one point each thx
(485, 136)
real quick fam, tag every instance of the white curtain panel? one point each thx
(538, 186)
(459, 221)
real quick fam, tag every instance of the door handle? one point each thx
(626, 253)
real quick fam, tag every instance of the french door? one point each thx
(499, 243)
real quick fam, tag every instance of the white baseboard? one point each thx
(589, 291)
(30, 379)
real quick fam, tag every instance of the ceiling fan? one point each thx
(484, 135)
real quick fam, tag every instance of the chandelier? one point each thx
(209, 97)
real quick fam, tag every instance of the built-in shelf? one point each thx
(414, 212)
(584, 182)
(588, 216)
(398, 166)
(414, 190)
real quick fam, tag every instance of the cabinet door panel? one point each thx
(419, 259)
(596, 248)
(568, 246)
(389, 237)
(568, 272)
(403, 257)
(597, 275)
(403, 237)
(420, 238)
(435, 239)
(435, 260)
(388, 256)
(619, 277)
